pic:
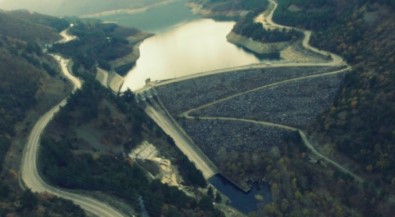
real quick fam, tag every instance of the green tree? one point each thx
(28, 200)
(218, 197)
(210, 192)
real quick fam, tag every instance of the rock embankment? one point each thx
(255, 46)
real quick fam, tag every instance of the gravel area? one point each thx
(188, 94)
(210, 135)
(295, 104)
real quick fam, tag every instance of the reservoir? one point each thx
(183, 44)
(188, 48)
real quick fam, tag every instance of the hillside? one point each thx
(107, 45)
(89, 141)
(74, 7)
(361, 123)
(15, 25)
(30, 83)
(225, 9)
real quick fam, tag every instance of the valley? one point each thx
(288, 114)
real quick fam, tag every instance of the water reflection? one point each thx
(186, 49)
(242, 201)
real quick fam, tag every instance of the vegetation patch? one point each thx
(27, 78)
(100, 44)
(249, 28)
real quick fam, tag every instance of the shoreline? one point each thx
(256, 46)
(126, 11)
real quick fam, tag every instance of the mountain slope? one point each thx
(73, 7)
(362, 122)
(23, 29)
(29, 83)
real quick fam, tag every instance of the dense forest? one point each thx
(99, 44)
(361, 121)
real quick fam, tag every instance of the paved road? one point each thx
(30, 175)
(66, 37)
(266, 19)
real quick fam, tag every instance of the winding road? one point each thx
(29, 172)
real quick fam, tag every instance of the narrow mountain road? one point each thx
(66, 37)
(29, 171)
(266, 19)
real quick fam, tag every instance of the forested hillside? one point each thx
(106, 45)
(249, 28)
(27, 77)
(87, 141)
(361, 123)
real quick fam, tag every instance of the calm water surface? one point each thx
(243, 201)
(188, 48)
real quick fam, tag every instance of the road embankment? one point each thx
(30, 175)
